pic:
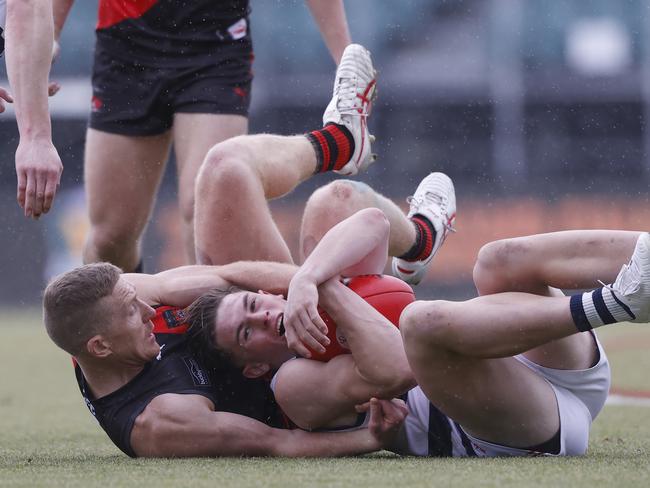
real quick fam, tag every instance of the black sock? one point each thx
(425, 236)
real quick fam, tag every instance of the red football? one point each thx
(387, 294)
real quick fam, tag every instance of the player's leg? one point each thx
(497, 400)
(233, 220)
(194, 135)
(568, 260)
(338, 200)
(542, 264)
(459, 351)
(414, 235)
(126, 150)
(238, 176)
(121, 175)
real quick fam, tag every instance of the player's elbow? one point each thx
(393, 381)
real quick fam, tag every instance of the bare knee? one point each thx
(426, 324)
(225, 168)
(335, 201)
(110, 238)
(498, 265)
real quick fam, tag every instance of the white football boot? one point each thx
(434, 199)
(632, 285)
(354, 90)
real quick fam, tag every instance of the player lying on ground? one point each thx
(146, 389)
(516, 371)
(149, 392)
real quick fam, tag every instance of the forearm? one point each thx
(298, 443)
(259, 275)
(185, 426)
(356, 245)
(28, 50)
(330, 17)
(181, 286)
(375, 343)
(60, 10)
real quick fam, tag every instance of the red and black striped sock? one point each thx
(334, 146)
(425, 236)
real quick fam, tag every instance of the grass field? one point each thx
(48, 438)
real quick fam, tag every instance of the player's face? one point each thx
(131, 334)
(249, 327)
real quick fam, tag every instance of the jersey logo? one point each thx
(199, 376)
(159, 356)
(175, 317)
(90, 407)
(238, 30)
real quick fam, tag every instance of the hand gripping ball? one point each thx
(387, 294)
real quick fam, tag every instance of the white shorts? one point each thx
(580, 395)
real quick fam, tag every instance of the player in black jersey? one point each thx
(166, 72)
(146, 389)
(28, 37)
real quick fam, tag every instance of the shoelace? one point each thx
(629, 280)
(346, 93)
(440, 203)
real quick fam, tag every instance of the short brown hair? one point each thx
(202, 317)
(74, 309)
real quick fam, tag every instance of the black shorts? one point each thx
(134, 99)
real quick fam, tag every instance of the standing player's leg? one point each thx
(194, 135)
(460, 351)
(121, 175)
(412, 235)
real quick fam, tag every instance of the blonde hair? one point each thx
(75, 305)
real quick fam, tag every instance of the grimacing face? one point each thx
(249, 328)
(131, 333)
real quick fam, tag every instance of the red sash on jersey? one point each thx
(169, 320)
(112, 12)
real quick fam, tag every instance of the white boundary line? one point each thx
(631, 401)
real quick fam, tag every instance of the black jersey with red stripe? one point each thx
(176, 370)
(170, 32)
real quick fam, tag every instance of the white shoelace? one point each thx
(629, 280)
(346, 93)
(440, 203)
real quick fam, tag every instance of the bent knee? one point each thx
(497, 261)
(225, 168)
(425, 323)
(336, 192)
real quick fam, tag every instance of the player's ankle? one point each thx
(425, 238)
(334, 146)
(597, 308)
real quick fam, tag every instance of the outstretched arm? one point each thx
(29, 53)
(333, 25)
(187, 426)
(354, 246)
(181, 286)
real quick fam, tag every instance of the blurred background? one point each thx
(536, 108)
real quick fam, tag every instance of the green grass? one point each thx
(48, 438)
